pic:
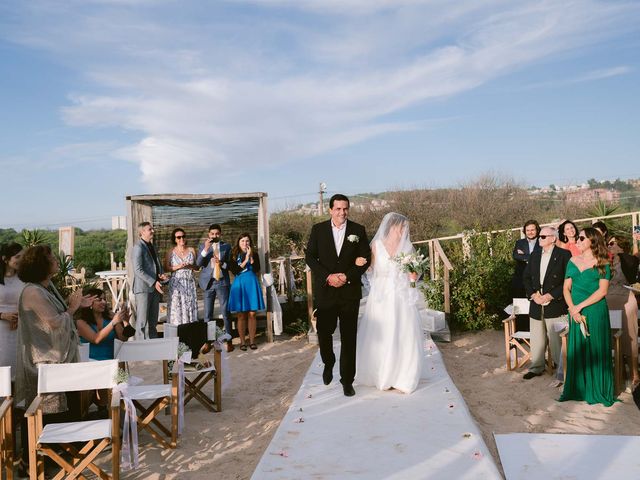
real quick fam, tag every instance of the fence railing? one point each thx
(437, 255)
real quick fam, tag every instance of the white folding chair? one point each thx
(194, 386)
(83, 349)
(162, 395)
(95, 434)
(517, 344)
(615, 320)
(6, 424)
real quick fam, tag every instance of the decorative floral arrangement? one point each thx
(182, 349)
(122, 376)
(353, 238)
(412, 263)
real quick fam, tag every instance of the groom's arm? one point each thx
(312, 255)
(355, 272)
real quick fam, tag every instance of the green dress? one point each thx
(589, 372)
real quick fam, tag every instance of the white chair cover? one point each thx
(5, 381)
(615, 319)
(71, 377)
(153, 349)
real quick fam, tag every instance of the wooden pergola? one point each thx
(235, 212)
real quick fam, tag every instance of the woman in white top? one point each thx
(10, 288)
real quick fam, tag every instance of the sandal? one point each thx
(253, 346)
(243, 348)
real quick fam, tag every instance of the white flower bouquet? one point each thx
(412, 263)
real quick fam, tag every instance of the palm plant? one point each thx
(33, 237)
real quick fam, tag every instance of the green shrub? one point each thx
(480, 281)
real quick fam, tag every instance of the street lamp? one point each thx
(323, 188)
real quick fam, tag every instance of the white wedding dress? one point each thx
(390, 352)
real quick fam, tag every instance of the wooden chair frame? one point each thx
(6, 425)
(147, 416)
(194, 387)
(81, 458)
(519, 342)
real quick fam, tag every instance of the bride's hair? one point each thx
(392, 220)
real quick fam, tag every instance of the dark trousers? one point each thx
(221, 291)
(326, 325)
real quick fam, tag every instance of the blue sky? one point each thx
(107, 98)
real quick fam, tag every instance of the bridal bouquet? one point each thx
(412, 263)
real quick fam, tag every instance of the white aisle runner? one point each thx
(378, 435)
(547, 456)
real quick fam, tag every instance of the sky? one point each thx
(107, 98)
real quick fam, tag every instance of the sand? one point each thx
(502, 402)
(229, 444)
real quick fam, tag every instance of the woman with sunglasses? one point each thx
(567, 235)
(182, 302)
(624, 268)
(589, 369)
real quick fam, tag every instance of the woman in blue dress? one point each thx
(245, 297)
(99, 328)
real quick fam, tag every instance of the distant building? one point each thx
(119, 222)
(591, 195)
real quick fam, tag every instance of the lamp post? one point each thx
(323, 188)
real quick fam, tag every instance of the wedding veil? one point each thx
(392, 239)
(394, 235)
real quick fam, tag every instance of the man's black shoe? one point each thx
(348, 390)
(327, 375)
(530, 375)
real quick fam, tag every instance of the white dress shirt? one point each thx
(338, 235)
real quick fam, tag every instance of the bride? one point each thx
(390, 341)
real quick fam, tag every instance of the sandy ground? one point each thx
(502, 402)
(229, 444)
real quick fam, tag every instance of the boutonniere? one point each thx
(353, 238)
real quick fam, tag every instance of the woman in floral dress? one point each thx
(182, 304)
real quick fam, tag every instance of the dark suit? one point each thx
(545, 316)
(344, 302)
(215, 288)
(521, 259)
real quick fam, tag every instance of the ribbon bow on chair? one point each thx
(130, 429)
(179, 365)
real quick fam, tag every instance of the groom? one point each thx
(331, 254)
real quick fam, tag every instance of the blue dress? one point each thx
(246, 292)
(104, 349)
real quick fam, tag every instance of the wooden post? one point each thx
(287, 270)
(432, 261)
(447, 295)
(309, 294)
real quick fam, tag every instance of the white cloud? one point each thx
(213, 96)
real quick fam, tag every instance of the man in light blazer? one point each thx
(213, 257)
(331, 253)
(147, 286)
(543, 281)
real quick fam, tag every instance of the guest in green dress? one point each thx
(589, 367)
